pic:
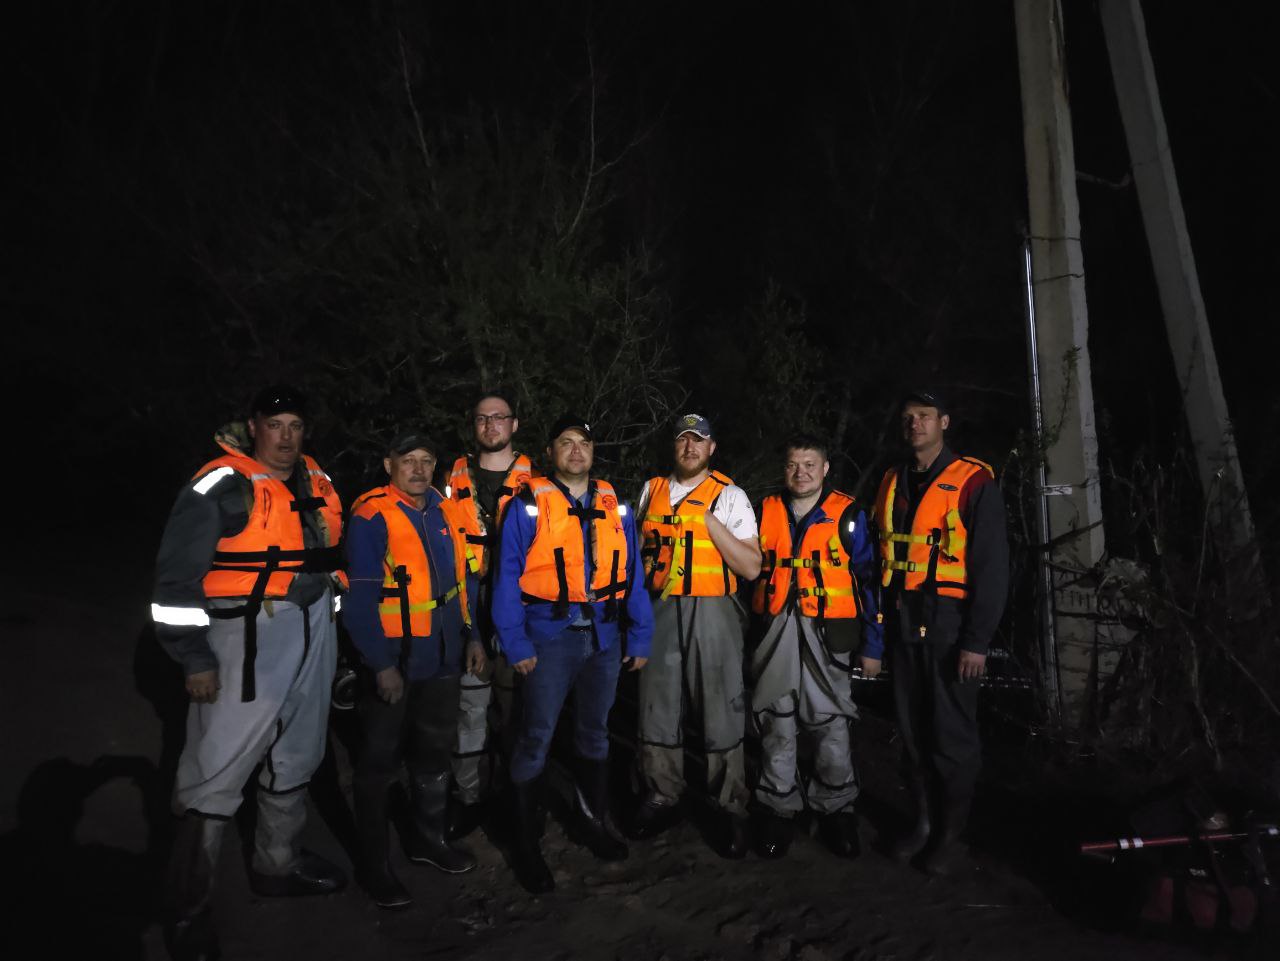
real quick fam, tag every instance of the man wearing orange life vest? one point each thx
(245, 597)
(944, 558)
(816, 604)
(567, 618)
(699, 537)
(409, 616)
(481, 485)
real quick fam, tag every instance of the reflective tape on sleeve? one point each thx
(205, 483)
(180, 616)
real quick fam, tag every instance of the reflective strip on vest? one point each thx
(206, 483)
(180, 616)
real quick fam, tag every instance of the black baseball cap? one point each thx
(279, 398)
(412, 440)
(569, 422)
(928, 396)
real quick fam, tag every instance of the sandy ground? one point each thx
(83, 819)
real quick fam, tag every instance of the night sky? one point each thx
(812, 204)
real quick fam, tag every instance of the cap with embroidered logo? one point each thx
(693, 424)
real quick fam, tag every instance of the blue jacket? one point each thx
(855, 536)
(441, 654)
(519, 624)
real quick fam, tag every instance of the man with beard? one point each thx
(244, 601)
(409, 617)
(699, 537)
(816, 609)
(481, 486)
(562, 597)
(944, 559)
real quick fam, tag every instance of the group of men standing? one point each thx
(478, 611)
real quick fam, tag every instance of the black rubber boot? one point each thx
(374, 872)
(839, 833)
(464, 818)
(526, 854)
(651, 819)
(773, 835)
(592, 795)
(189, 934)
(733, 836)
(907, 847)
(429, 797)
(949, 855)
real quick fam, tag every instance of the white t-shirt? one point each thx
(733, 509)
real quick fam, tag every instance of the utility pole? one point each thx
(1174, 265)
(1076, 543)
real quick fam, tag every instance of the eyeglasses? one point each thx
(499, 419)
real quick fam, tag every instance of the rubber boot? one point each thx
(839, 832)
(949, 854)
(591, 789)
(279, 869)
(189, 934)
(429, 799)
(374, 872)
(526, 854)
(464, 818)
(732, 836)
(773, 834)
(907, 847)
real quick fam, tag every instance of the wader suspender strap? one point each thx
(270, 558)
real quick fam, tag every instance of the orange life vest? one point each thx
(481, 535)
(823, 581)
(681, 533)
(407, 592)
(264, 558)
(937, 544)
(554, 568)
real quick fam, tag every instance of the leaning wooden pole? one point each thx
(1075, 544)
(1186, 320)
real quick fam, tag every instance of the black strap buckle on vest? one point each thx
(611, 603)
(306, 504)
(817, 577)
(688, 563)
(561, 605)
(586, 513)
(484, 540)
(401, 576)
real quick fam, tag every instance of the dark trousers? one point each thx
(937, 715)
(420, 729)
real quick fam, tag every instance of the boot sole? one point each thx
(441, 867)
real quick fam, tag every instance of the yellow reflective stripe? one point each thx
(950, 572)
(806, 562)
(675, 519)
(472, 564)
(907, 538)
(670, 585)
(826, 592)
(395, 607)
(943, 571)
(954, 538)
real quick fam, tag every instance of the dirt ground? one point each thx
(84, 818)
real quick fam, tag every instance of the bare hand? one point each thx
(870, 667)
(390, 685)
(203, 687)
(526, 666)
(635, 663)
(972, 666)
(477, 660)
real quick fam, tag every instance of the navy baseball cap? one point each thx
(928, 396)
(693, 424)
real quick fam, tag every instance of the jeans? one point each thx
(567, 661)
